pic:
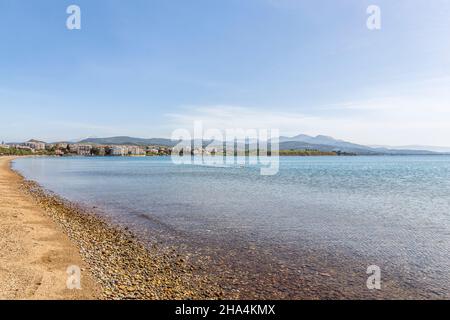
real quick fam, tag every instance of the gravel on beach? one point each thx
(124, 267)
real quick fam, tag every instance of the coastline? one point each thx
(114, 264)
(124, 265)
(34, 252)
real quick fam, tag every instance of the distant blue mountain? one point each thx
(130, 141)
(322, 140)
(326, 143)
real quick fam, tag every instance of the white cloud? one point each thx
(227, 116)
(422, 118)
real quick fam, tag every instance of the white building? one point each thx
(119, 151)
(136, 151)
(84, 150)
(35, 145)
(73, 148)
(27, 148)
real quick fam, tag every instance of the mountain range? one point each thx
(124, 140)
(299, 142)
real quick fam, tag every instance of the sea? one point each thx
(316, 229)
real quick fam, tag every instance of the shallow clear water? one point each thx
(388, 210)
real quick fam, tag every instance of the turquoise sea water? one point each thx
(389, 211)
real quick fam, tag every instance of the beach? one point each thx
(42, 236)
(34, 252)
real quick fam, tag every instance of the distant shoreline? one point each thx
(301, 145)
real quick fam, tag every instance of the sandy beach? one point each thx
(34, 252)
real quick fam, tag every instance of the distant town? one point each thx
(35, 147)
(300, 145)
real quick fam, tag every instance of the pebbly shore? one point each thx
(124, 267)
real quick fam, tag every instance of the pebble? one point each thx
(123, 266)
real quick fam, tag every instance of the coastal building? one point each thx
(164, 151)
(118, 151)
(35, 145)
(101, 151)
(61, 146)
(84, 150)
(73, 148)
(26, 148)
(135, 151)
(152, 150)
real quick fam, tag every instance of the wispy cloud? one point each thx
(229, 116)
(422, 118)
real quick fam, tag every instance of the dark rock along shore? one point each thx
(123, 266)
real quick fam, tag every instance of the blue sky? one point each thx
(146, 67)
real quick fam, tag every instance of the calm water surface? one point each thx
(389, 211)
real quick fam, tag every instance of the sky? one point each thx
(147, 67)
